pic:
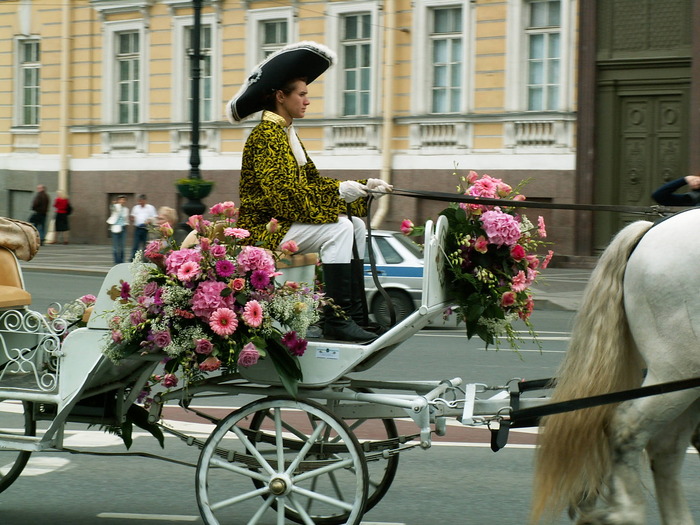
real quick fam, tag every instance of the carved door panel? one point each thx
(651, 141)
(652, 147)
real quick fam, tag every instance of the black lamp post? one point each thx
(195, 188)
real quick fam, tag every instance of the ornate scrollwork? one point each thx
(30, 347)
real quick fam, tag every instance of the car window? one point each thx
(411, 246)
(391, 256)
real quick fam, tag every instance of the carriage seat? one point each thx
(12, 292)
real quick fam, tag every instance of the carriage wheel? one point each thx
(381, 470)
(322, 481)
(15, 418)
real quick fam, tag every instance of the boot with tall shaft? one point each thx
(338, 286)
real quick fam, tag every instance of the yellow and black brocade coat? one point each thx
(273, 185)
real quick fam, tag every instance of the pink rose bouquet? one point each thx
(494, 255)
(214, 306)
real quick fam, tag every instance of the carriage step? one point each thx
(28, 443)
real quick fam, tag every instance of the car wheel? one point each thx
(403, 307)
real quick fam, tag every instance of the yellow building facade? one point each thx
(96, 98)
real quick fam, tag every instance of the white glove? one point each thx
(380, 186)
(351, 190)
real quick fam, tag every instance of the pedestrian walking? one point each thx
(118, 219)
(63, 209)
(142, 215)
(40, 209)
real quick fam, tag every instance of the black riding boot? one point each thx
(358, 310)
(338, 286)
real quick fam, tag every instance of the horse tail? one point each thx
(572, 459)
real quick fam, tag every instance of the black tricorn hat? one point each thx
(301, 60)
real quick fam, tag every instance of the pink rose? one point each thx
(517, 252)
(481, 245)
(249, 355)
(407, 227)
(218, 251)
(203, 346)
(289, 247)
(508, 299)
(272, 226)
(169, 380)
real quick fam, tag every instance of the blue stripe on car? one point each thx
(396, 271)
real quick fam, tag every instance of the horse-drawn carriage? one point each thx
(301, 458)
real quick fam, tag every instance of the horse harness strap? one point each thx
(471, 199)
(529, 417)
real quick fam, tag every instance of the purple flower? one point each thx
(295, 345)
(260, 279)
(125, 291)
(162, 339)
(225, 268)
(203, 346)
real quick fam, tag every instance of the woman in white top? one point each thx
(117, 221)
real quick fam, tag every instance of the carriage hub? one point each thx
(280, 485)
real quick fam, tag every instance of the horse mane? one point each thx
(573, 452)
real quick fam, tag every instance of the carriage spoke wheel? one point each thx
(375, 436)
(310, 468)
(15, 418)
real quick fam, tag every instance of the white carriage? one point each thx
(277, 458)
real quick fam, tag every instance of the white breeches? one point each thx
(333, 242)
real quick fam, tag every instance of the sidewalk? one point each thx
(557, 288)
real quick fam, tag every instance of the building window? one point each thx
(29, 82)
(356, 52)
(273, 35)
(128, 77)
(447, 55)
(206, 86)
(544, 55)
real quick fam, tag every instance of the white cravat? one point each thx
(295, 144)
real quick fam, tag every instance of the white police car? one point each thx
(399, 264)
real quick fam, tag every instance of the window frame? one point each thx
(256, 17)
(110, 73)
(334, 78)
(517, 69)
(182, 81)
(422, 83)
(20, 85)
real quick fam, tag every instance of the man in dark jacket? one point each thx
(40, 208)
(666, 196)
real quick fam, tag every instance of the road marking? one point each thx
(153, 517)
(38, 465)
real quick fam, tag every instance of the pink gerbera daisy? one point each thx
(225, 268)
(223, 322)
(188, 271)
(253, 313)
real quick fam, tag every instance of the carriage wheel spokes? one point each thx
(16, 418)
(289, 463)
(381, 467)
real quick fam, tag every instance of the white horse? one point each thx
(639, 324)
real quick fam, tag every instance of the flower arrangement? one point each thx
(213, 305)
(492, 259)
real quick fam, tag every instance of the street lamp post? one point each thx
(195, 190)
